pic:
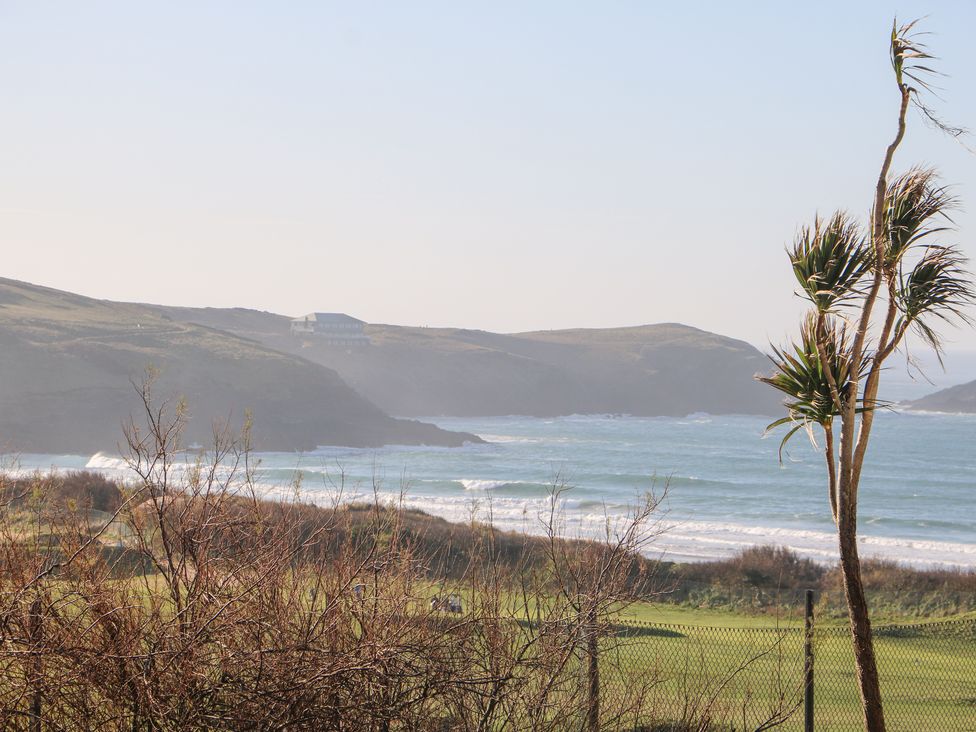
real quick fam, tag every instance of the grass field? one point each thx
(743, 670)
(738, 664)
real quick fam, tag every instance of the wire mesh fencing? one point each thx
(927, 671)
(678, 677)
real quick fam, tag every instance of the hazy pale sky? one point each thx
(507, 165)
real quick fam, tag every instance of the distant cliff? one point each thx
(961, 398)
(650, 370)
(67, 363)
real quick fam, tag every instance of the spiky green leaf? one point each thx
(829, 260)
(916, 207)
(938, 286)
(803, 377)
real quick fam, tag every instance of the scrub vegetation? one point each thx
(184, 599)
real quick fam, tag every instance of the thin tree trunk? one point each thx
(831, 470)
(867, 667)
(852, 456)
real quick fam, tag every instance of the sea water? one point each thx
(721, 484)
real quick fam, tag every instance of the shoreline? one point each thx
(727, 491)
(685, 540)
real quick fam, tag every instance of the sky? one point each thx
(508, 166)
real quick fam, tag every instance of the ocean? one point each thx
(721, 483)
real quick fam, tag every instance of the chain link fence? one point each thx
(927, 670)
(679, 677)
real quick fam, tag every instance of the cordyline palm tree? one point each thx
(867, 292)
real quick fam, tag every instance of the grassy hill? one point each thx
(648, 370)
(67, 364)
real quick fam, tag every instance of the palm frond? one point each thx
(938, 286)
(907, 51)
(915, 206)
(829, 259)
(800, 374)
(907, 56)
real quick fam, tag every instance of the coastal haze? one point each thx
(649, 370)
(512, 169)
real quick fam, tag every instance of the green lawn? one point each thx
(739, 669)
(664, 614)
(669, 662)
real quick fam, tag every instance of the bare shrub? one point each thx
(183, 600)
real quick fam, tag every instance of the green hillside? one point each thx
(68, 364)
(648, 370)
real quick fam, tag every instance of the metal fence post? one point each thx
(808, 663)
(36, 669)
(593, 701)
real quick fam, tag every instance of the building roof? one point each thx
(330, 319)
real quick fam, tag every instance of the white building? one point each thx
(333, 328)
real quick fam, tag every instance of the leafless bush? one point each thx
(182, 600)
